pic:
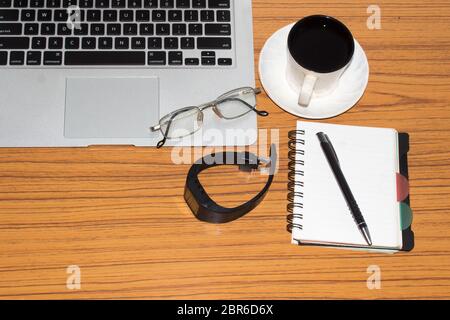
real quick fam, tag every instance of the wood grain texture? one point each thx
(118, 212)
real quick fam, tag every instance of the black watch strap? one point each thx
(206, 209)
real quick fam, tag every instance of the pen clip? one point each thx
(323, 138)
(334, 151)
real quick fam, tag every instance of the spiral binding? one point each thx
(294, 183)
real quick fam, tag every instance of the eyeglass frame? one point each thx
(212, 104)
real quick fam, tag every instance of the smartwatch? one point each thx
(198, 200)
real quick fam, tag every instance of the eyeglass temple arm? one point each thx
(261, 113)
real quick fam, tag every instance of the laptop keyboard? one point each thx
(150, 33)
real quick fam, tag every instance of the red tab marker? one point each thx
(402, 188)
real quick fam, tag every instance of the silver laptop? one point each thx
(101, 72)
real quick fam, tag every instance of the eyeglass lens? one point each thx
(182, 123)
(237, 103)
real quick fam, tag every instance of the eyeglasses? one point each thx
(187, 121)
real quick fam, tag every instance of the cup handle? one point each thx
(307, 90)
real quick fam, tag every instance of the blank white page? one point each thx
(369, 161)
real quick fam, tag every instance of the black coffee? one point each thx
(321, 44)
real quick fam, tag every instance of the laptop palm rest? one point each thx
(111, 107)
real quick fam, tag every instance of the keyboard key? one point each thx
(187, 43)
(93, 15)
(175, 58)
(17, 58)
(76, 15)
(126, 15)
(150, 3)
(110, 15)
(10, 28)
(122, 43)
(104, 58)
(44, 15)
(216, 4)
(69, 3)
(192, 61)
(213, 43)
(183, 3)
(138, 43)
(63, 30)
(31, 29)
(118, 3)
(134, 4)
(223, 16)
(52, 3)
(97, 29)
(146, 29)
(195, 29)
(167, 4)
(142, 15)
(225, 62)
(163, 29)
(102, 3)
(208, 54)
(5, 3)
(179, 29)
(61, 16)
(36, 3)
(130, 29)
(175, 15)
(158, 15)
(114, 29)
(38, 43)
(52, 58)
(155, 43)
(81, 30)
(20, 3)
(170, 43)
(157, 58)
(48, 29)
(208, 61)
(88, 43)
(207, 15)
(34, 58)
(72, 43)
(14, 43)
(191, 16)
(27, 15)
(86, 3)
(215, 29)
(3, 58)
(55, 43)
(9, 15)
(199, 4)
(105, 43)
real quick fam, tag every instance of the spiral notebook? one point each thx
(374, 162)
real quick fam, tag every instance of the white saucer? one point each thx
(272, 70)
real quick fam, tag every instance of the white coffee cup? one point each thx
(319, 50)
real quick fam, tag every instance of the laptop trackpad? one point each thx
(111, 107)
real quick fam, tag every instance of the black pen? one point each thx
(333, 160)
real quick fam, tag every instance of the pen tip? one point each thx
(366, 235)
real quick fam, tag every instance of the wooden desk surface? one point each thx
(119, 214)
